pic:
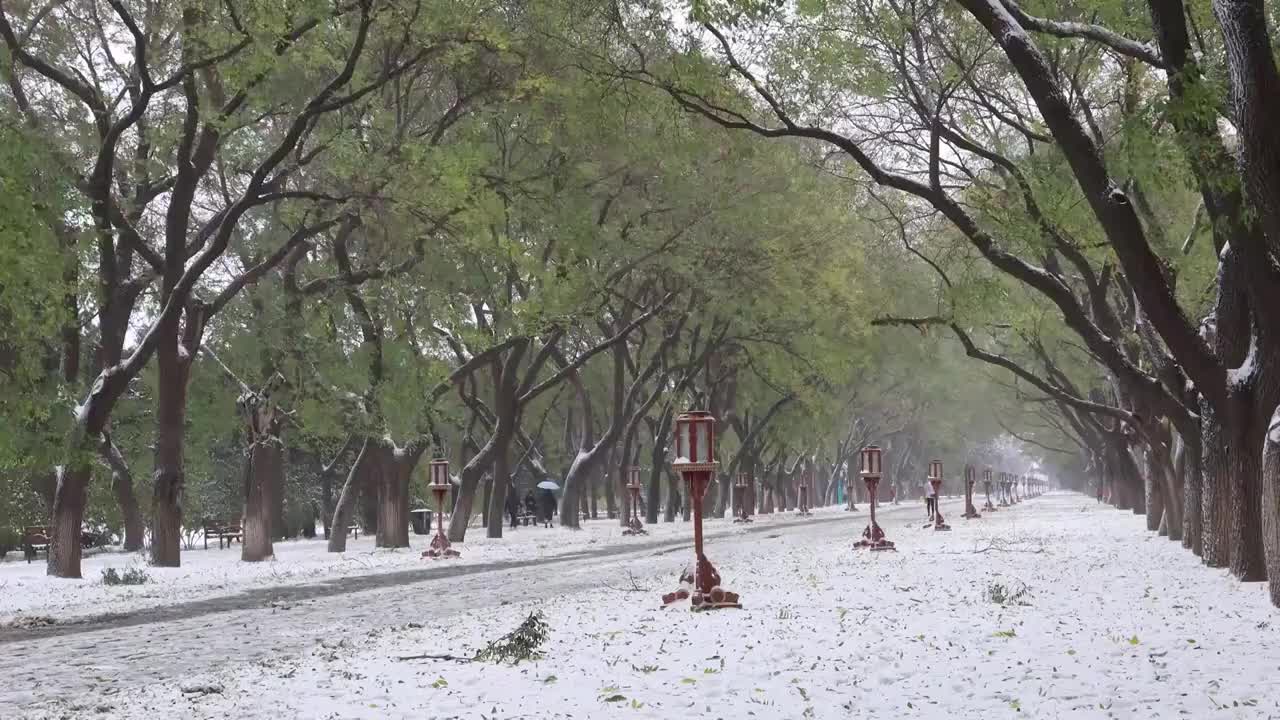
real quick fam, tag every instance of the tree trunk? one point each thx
(122, 488)
(673, 495)
(1271, 504)
(1189, 466)
(1244, 467)
(68, 515)
(346, 500)
(169, 475)
(279, 525)
(1153, 492)
(498, 497)
(1215, 499)
(261, 462)
(392, 477)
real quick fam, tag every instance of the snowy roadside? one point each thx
(1113, 623)
(30, 597)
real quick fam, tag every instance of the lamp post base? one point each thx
(743, 519)
(873, 539)
(440, 549)
(702, 588)
(971, 513)
(988, 508)
(635, 527)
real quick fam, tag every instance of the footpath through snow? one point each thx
(29, 597)
(1057, 608)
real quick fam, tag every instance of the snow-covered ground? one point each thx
(1097, 619)
(28, 595)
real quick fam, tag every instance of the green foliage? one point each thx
(130, 576)
(520, 644)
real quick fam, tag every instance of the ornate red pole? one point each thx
(440, 487)
(872, 537)
(634, 526)
(935, 479)
(1004, 489)
(986, 483)
(970, 479)
(695, 460)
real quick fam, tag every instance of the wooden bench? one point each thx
(34, 539)
(227, 530)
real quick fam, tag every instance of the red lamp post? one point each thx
(439, 486)
(695, 460)
(742, 498)
(986, 483)
(634, 526)
(1004, 489)
(970, 479)
(935, 479)
(872, 537)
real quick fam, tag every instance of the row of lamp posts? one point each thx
(695, 461)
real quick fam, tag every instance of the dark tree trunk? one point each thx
(1271, 504)
(169, 475)
(392, 473)
(1153, 492)
(261, 462)
(1215, 499)
(1189, 465)
(346, 501)
(122, 488)
(1244, 467)
(653, 492)
(68, 515)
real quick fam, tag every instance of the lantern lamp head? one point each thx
(439, 472)
(935, 470)
(871, 462)
(695, 440)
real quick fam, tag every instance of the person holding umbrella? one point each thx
(547, 500)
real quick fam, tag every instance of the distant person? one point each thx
(530, 504)
(513, 507)
(547, 505)
(930, 499)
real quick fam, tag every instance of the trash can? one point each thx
(421, 520)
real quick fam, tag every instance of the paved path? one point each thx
(102, 656)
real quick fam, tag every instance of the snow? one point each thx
(1118, 623)
(27, 591)
(1238, 377)
(1273, 433)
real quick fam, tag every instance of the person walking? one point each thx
(547, 504)
(513, 506)
(930, 499)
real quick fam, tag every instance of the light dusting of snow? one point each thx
(1237, 377)
(1273, 433)
(1115, 624)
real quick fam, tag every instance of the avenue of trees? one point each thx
(1096, 186)
(265, 259)
(262, 260)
